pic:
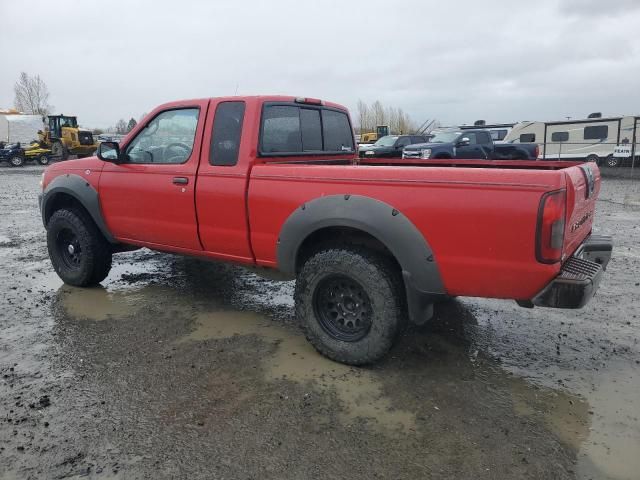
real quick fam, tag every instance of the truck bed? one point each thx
(479, 217)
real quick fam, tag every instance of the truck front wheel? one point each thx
(79, 253)
(59, 151)
(350, 304)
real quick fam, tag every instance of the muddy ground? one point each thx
(178, 368)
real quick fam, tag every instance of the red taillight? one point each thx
(550, 231)
(537, 151)
(309, 101)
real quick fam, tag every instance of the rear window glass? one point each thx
(498, 134)
(227, 130)
(527, 138)
(596, 132)
(292, 129)
(560, 136)
(281, 129)
(337, 131)
(311, 130)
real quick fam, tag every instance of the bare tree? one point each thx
(369, 116)
(121, 126)
(31, 95)
(378, 113)
(364, 121)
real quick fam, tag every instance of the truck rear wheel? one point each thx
(79, 253)
(350, 304)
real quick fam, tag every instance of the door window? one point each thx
(167, 139)
(403, 142)
(227, 129)
(484, 138)
(471, 137)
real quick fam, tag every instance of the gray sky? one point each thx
(455, 61)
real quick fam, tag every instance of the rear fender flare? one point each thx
(81, 190)
(380, 220)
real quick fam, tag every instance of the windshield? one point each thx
(68, 122)
(387, 141)
(445, 137)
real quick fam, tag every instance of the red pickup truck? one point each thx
(276, 182)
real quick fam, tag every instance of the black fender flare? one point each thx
(81, 190)
(400, 236)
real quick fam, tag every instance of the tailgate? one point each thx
(583, 187)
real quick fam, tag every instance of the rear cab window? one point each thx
(294, 129)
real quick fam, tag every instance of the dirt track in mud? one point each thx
(177, 368)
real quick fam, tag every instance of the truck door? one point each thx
(471, 149)
(221, 200)
(149, 197)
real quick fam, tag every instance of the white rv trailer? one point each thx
(19, 128)
(591, 139)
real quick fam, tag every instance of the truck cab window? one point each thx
(292, 129)
(484, 138)
(281, 129)
(168, 138)
(338, 135)
(471, 136)
(227, 130)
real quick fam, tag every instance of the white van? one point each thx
(591, 139)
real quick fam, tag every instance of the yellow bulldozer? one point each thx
(64, 138)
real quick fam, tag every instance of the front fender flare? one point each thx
(81, 190)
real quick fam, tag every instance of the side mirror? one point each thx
(464, 141)
(109, 152)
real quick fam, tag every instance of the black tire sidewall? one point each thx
(20, 164)
(379, 282)
(43, 160)
(73, 220)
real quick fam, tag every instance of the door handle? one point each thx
(180, 180)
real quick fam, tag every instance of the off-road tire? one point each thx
(93, 249)
(16, 161)
(378, 277)
(59, 151)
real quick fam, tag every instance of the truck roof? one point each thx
(261, 99)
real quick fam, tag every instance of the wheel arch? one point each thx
(374, 223)
(73, 190)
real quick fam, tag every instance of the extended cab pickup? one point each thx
(458, 143)
(276, 182)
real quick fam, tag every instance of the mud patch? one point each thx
(359, 391)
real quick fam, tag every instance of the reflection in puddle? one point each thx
(99, 304)
(359, 390)
(613, 447)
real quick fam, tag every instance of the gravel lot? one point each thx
(178, 368)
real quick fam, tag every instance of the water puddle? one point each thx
(99, 303)
(358, 390)
(612, 449)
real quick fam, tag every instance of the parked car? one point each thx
(16, 155)
(471, 144)
(391, 145)
(371, 248)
